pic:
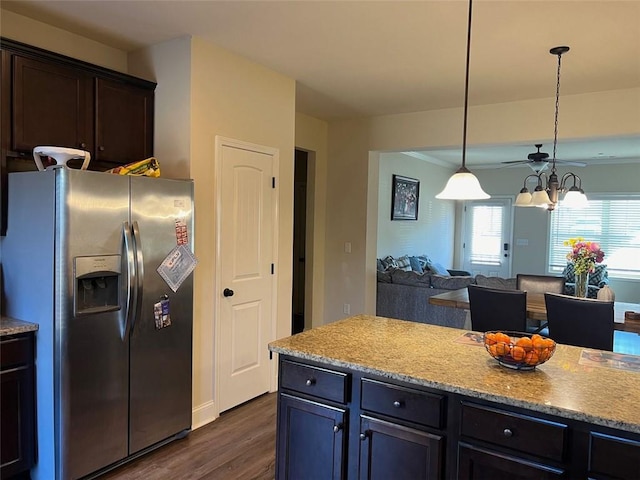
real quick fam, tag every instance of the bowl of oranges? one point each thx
(517, 350)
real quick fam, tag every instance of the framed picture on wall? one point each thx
(404, 198)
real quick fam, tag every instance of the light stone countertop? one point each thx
(10, 326)
(429, 355)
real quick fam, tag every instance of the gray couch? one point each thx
(405, 295)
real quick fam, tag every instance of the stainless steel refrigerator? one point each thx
(114, 345)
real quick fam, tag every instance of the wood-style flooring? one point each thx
(240, 444)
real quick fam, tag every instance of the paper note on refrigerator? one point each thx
(177, 266)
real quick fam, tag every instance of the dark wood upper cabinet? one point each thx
(52, 105)
(52, 99)
(124, 122)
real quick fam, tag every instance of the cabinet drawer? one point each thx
(15, 351)
(613, 457)
(526, 434)
(316, 381)
(403, 403)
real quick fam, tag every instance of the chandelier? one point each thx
(548, 187)
(464, 185)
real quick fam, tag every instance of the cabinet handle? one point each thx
(101, 148)
(397, 404)
(507, 432)
(337, 428)
(309, 382)
(83, 145)
(363, 436)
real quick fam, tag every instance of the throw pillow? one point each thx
(599, 274)
(404, 263)
(379, 265)
(569, 273)
(424, 262)
(389, 262)
(438, 269)
(415, 264)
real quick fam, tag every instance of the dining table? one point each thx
(537, 310)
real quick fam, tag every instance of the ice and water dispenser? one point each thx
(96, 284)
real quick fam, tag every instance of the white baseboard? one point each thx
(202, 415)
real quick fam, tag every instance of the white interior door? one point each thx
(487, 237)
(246, 279)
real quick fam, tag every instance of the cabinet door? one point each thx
(52, 105)
(479, 464)
(388, 450)
(17, 406)
(124, 123)
(311, 441)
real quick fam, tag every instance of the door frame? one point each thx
(221, 142)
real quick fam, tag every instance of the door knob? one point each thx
(227, 292)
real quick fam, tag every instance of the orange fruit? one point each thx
(503, 348)
(493, 350)
(538, 342)
(531, 358)
(525, 343)
(490, 338)
(549, 343)
(502, 337)
(543, 354)
(518, 353)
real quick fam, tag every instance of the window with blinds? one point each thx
(611, 220)
(486, 234)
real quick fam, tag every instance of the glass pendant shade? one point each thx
(540, 198)
(575, 199)
(463, 185)
(524, 199)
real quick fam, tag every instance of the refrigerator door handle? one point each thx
(139, 272)
(132, 281)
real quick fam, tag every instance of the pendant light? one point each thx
(547, 196)
(463, 185)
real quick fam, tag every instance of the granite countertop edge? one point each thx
(11, 326)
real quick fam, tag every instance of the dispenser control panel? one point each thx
(97, 284)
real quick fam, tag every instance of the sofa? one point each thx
(405, 295)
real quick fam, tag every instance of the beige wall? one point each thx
(433, 233)
(312, 137)
(216, 93)
(38, 34)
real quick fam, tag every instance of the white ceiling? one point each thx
(363, 58)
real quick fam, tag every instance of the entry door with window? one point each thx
(487, 237)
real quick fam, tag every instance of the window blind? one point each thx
(486, 234)
(611, 220)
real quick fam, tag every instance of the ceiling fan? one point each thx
(538, 161)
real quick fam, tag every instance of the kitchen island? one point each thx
(412, 401)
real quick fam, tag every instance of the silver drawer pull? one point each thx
(337, 428)
(363, 436)
(507, 432)
(397, 404)
(309, 382)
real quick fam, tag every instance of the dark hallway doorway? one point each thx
(299, 239)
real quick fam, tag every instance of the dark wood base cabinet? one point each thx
(336, 423)
(17, 432)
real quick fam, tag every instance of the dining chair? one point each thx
(582, 322)
(497, 309)
(540, 283)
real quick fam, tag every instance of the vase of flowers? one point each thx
(584, 255)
